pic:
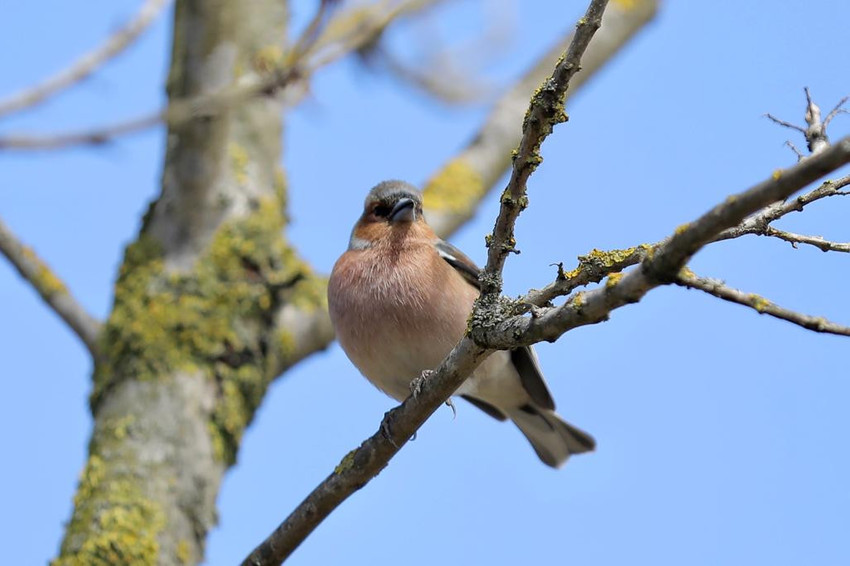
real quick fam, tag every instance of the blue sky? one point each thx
(721, 433)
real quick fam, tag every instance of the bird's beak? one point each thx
(403, 211)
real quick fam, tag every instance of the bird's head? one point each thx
(392, 211)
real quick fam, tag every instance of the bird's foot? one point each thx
(387, 429)
(417, 383)
(451, 405)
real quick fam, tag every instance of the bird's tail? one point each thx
(552, 438)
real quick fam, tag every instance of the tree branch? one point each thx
(661, 265)
(592, 268)
(51, 289)
(88, 63)
(359, 466)
(816, 241)
(759, 223)
(277, 75)
(687, 278)
(545, 111)
(815, 130)
(453, 192)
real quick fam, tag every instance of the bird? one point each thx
(399, 298)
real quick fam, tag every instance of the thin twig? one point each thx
(438, 77)
(592, 268)
(785, 124)
(453, 192)
(759, 222)
(598, 264)
(689, 279)
(815, 130)
(816, 241)
(838, 109)
(816, 137)
(315, 50)
(663, 262)
(800, 155)
(94, 136)
(51, 289)
(364, 463)
(88, 63)
(310, 35)
(545, 111)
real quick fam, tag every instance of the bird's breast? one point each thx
(397, 315)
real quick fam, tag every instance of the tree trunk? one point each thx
(193, 339)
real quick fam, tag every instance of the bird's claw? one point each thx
(417, 383)
(451, 405)
(386, 429)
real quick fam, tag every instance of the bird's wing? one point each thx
(460, 261)
(524, 359)
(527, 365)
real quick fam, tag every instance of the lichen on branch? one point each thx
(216, 318)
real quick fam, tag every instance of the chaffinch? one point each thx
(399, 299)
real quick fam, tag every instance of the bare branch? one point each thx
(598, 264)
(287, 78)
(94, 136)
(800, 155)
(816, 137)
(815, 130)
(687, 278)
(361, 465)
(785, 124)
(816, 241)
(453, 192)
(545, 111)
(360, 26)
(439, 77)
(759, 223)
(838, 109)
(52, 290)
(661, 265)
(88, 63)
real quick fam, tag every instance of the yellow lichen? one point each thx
(184, 552)
(121, 426)
(570, 275)
(613, 279)
(578, 301)
(280, 187)
(45, 281)
(758, 302)
(607, 259)
(239, 162)
(208, 320)
(346, 463)
(285, 342)
(268, 58)
(113, 522)
(776, 174)
(455, 188)
(626, 4)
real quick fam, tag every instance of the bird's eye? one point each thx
(382, 211)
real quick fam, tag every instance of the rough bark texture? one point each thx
(192, 341)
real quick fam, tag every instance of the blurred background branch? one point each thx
(89, 63)
(50, 288)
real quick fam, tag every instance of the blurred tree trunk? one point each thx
(192, 341)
